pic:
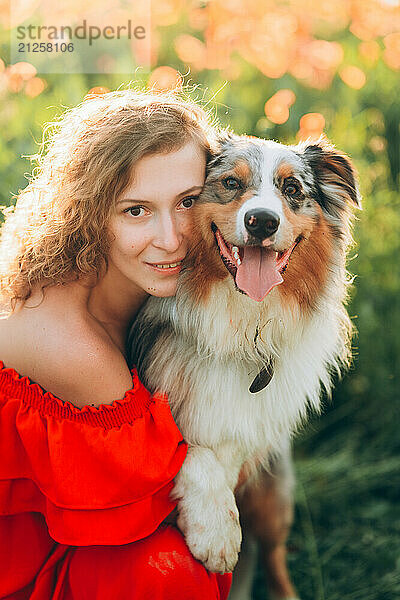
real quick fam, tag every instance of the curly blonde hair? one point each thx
(57, 230)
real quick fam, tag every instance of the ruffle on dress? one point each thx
(98, 475)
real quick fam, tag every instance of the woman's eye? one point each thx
(231, 183)
(188, 202)
(136, 211)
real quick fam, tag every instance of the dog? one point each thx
(258, 326)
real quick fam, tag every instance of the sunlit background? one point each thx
(288, 70)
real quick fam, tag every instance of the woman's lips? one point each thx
(166, 268)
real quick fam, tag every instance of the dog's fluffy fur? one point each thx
(206, 345)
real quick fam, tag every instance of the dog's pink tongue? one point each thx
(257, 274)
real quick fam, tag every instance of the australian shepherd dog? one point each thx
(258, 326)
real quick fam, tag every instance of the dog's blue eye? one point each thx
(230, 183)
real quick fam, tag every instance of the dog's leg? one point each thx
(243, 575)
(266, 510)
(208, 515)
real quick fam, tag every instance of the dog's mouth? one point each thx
(255, 269)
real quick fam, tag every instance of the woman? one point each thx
(88, 456)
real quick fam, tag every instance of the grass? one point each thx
(345, 542)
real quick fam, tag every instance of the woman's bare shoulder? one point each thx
(60, 350)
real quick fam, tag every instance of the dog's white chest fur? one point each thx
(218, 350)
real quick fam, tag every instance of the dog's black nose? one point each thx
(261, 223)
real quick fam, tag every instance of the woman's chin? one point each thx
(163, 291)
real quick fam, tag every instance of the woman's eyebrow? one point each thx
(188, 191)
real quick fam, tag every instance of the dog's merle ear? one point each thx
(222, 141)
(226, 137)
(334, 175)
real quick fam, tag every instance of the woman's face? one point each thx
(151, 222)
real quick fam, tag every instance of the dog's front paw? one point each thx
(212, 530)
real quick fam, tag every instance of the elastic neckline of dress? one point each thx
(132, 406)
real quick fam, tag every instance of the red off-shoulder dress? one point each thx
(83, 493)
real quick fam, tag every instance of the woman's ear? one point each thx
(335, 177)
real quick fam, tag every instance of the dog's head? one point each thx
(272, 214)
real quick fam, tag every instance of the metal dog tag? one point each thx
(263, 378)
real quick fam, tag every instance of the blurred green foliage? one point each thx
(345, 542)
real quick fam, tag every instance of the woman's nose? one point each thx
(168, 237)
